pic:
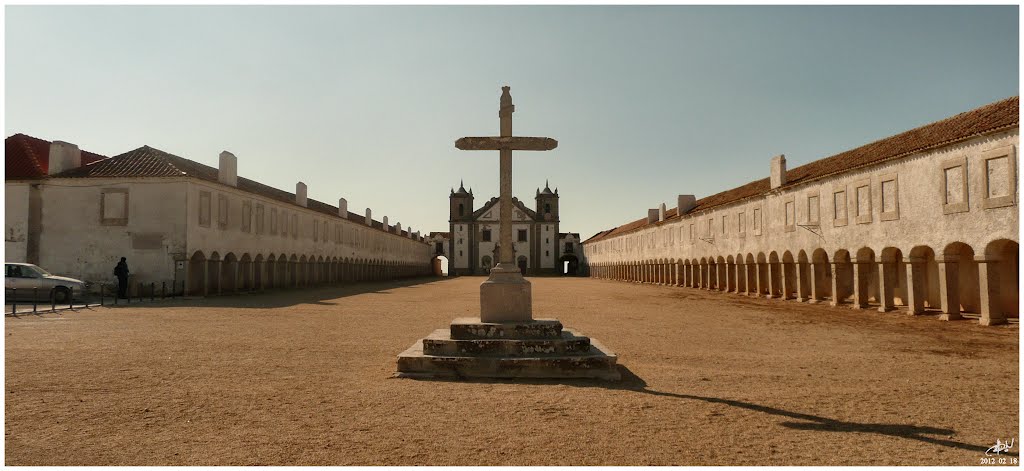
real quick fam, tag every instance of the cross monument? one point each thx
(506, 296)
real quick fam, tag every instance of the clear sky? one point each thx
(366, 102)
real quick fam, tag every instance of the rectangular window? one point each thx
(247, 216)
(295, 226)
(707, 233)
(273, 221)
(839, 208)
(568, 247)
(813, 210)
(316, 232)
(114, 207)
(486, 235)
(522, 235)
(889, 194)
(1000, 177)
(259, 218)
(723, 225)
(325, 234)
(691, 233)
(757, 221)
(863, 194)
(789, 215)
(204, 208)
(222, 210)
(741, 223)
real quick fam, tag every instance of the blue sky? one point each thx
(365, 102)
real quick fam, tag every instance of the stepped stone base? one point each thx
(534, 349)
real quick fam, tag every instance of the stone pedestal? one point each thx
(506, 296)
(541, 348)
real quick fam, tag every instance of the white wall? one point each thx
(921, 217)
(15, 221)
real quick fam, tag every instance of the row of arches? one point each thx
(213, 274)
(956, 281)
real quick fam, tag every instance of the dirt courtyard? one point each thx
(304, 378)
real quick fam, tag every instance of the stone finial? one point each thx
(778, 175)
(343, 207)
(369, 220)
(661, 212)
(652, 215)
(384, 224)
(63, 156)
(300, 194)
(398, 228)
(227, 170)
(685, 203)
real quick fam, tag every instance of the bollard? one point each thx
(163, 290)
(138, 291)
(53, 301)
(71, 298)
(152, 291)
(102, 286)
(14, 300)
(35, 299)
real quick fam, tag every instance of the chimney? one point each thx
(369, 220)
(685, 203)
(300, 194)
(778, 171)
(227, 173)
(343, 207)
(652, 216)
(661, 212)
(63, 156)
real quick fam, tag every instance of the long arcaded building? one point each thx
(925, 220)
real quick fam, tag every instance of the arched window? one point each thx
(547, 208)
(462, 210)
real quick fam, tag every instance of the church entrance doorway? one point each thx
(570, 265)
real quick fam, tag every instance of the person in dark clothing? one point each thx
(121, 272)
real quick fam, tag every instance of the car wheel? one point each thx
(61, 295)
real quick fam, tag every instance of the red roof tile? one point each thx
(27, 157)
(1003, 114)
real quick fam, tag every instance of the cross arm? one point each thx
(506, 143)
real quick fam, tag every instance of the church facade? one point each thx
(471, 244)
(922, 222)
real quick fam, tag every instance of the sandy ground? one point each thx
(304, 377)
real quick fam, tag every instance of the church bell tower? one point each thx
(547, 203)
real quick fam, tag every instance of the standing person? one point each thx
(121, 272)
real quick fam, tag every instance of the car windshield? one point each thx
(38, 270)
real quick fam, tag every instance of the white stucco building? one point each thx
(923, 220)
(474, 232)
(178, 221)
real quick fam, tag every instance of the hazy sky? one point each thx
(366, 102)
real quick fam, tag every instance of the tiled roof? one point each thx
(531, 214)
(442, 234)
(27, 157)
(993, 117)
(146, 162)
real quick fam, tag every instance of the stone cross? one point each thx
(505, 296)
(505, 144)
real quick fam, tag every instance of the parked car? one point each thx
(29, 279)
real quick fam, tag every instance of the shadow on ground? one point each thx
(633, 383)
(267, 299)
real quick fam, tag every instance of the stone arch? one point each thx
(749, 275)
(842, 277)
(300, 271)
(821, 276)
(923, 280)
(774, 275)
(998, 276)
(213, 274)
(721, 274)
(229, 273)
(197, 274)
(891, 279)
(788, 285)
(293, 270)
(259, 272)
(762, 274)
(958, 279)
(245, 275)
(865, 280)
